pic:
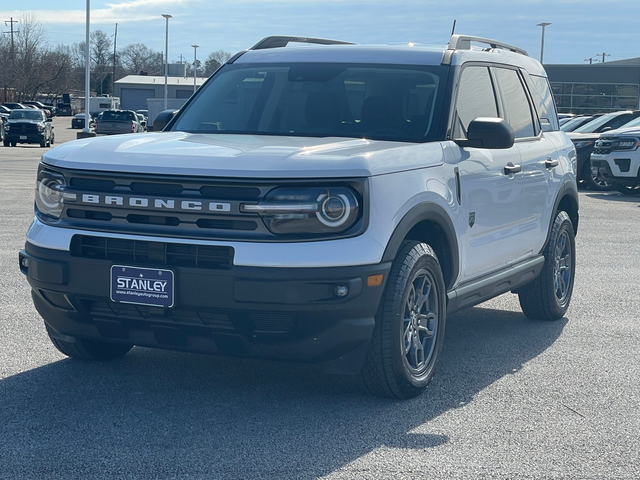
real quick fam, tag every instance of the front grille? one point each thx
(25, 128)
(602, 151)
(125, 311)
(157, 254)
(252, 323)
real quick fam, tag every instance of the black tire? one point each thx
(13, 144)
(595, 183)
(53, 139)
(409, 331)
(6, 143)
(549, 295)
(633, 190)
(83, 349)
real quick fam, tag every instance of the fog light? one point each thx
(341, 291)
(25, 262)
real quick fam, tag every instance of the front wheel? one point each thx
(409, 331)
(548, 296)
(84, 349)
(595, 182)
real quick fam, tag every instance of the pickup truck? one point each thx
(114, 122)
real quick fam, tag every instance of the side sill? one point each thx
(477, 291)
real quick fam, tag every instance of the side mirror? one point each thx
(162, 119)
(49, 120)
(488, 132)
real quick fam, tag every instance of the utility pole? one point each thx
(13, 54)
(113, 77)
(604, 55)
(590, 60)
(11, 22)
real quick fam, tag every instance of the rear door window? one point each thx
(516, 103)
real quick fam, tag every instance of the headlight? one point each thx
(313, 210)
(626, 144)
(6, 127)
(50, 194)
(40, 127)
(584, 143)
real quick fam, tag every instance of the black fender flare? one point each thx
(436, 214)
(568, 189)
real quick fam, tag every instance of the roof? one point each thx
(157, 80)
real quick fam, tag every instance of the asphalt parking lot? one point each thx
(512, 398)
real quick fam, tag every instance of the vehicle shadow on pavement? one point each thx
(158, 414)
(615, 196)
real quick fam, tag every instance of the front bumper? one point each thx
(622, 168)
(24, 138)
(264, 312)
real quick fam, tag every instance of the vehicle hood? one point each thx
(623, 131)
(24, 120)
(179, 153)
(581, 137)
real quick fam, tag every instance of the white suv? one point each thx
(616, 158)
(330, 203)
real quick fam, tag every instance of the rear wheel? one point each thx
(6, 143)
(43, 142)
(409, 331)
(84, 349)
(548, 296)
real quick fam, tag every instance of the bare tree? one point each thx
(214, 61)
(137, 57)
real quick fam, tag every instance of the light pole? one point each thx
(87, 72)
(543, 24)
(166, 58)
(195, 67)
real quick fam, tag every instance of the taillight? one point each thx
(133, 127)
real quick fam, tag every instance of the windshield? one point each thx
(387, 102)
(25, 114)
(572, 124)
(632, 123)
(596, 124)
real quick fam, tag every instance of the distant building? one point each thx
(596, 88)
(134, 90)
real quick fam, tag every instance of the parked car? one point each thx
(78, 121)
(576, 122)
(13, 105)
(584, 139)
(47, 108)
(28, 126)
(114, 122)
(616, 158)
(330, 204)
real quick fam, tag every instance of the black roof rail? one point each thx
(463, 42)
(282, 41)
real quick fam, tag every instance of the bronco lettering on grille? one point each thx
(155, 203)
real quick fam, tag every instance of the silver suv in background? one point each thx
(327, 204)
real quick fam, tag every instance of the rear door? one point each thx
(538, 154)
(490, 196)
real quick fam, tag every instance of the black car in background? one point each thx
(578, 121)
(28, 126)
(584, 139)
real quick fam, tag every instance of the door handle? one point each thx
(510, 169)
(550, 163)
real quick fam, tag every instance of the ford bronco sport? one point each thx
(329, 203)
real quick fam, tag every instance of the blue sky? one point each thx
(580, 29)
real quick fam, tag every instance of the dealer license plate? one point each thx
(142, 286)
(23, 137)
